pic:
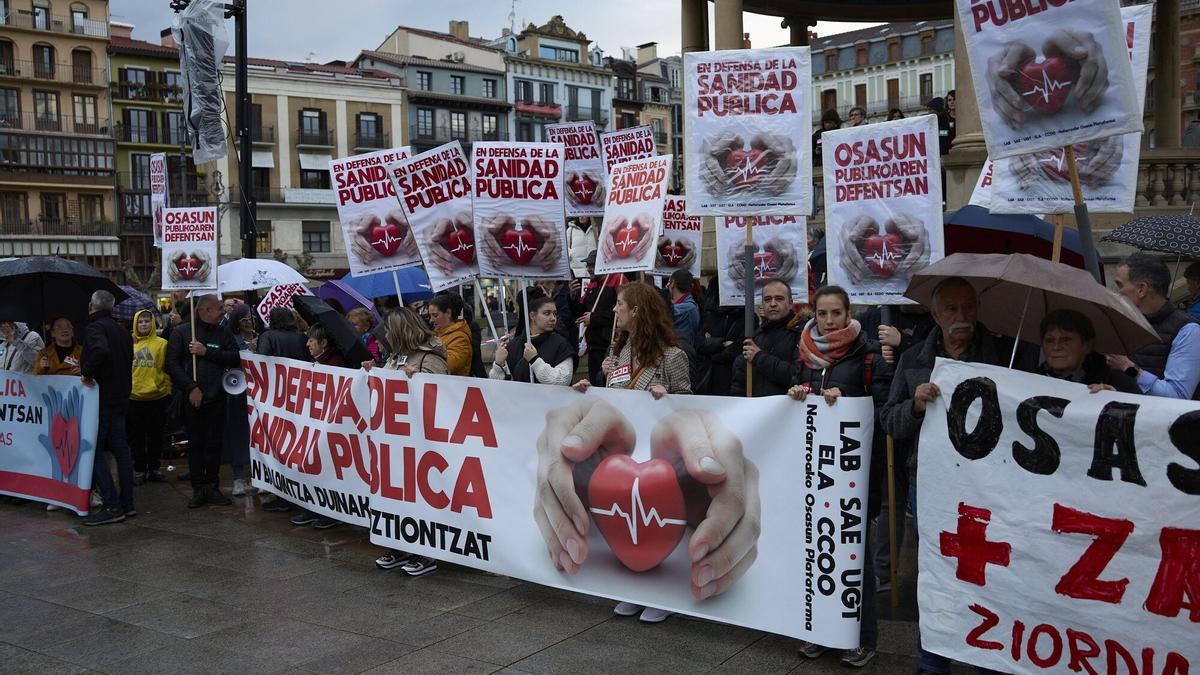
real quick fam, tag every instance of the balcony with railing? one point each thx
(153, 135)
(322, 138)
(543, 108)
(63, 124)
(429, 136)
(287, 195)
(262, 135)
(27, 20)
(370, 140)
(147, 91)
(70, 226)
(577, 113)
(60, 73)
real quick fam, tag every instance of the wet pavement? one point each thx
(235, 589)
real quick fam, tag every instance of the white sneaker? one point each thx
(96, 500)
(53, 507)
(239, 488)
(654, 615)
(627, 609)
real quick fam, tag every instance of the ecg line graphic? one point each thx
(520, 247)
(884, 256)
(637, 513)
(1047, 87)
(628, 238)
(746, 170)
(387, 240)
(187, 266)
(1057, 160)
(763, 269)
(463, 246)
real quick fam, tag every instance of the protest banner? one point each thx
(434, 188)
(883, 206)
(453, 473)
(519, 210)
(1048, 74)
(583, 168)
(780, 252)
(626, 145)
(189, 249)
(633, 215)
(159, 199)
(982, 194)
(1058, 542)
(376, 234)
(48, 438)
(679, 245)
(1108, 167)
(747, 120)
(280, 295)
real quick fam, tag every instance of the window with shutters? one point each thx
(893, 93)
(134, 83)
(829, 99)
(860, 95)
(458, 85)
(41, 17)
(43, 62)
(524, 91)
(831, 60)
(8, 64)
(425, 122)
(173, 82)
(312, 127)
(137, 126)
(81, 66)
(490, 126)
(139, 171)
(10, 108)
(458, 125)
(84, 107)
(926, 87)
(927, 45)
(91, 208)
(489, 89)
(173, 131)
(14, 208)
(54, 207)
(893, 49)
(546, 93)
(861, 55)
(424, 80)
(45, 106)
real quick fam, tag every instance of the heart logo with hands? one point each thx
(901, 248)
(1072, 67)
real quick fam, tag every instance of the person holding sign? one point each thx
(445, 312)
(546, 358)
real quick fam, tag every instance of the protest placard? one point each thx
(159, 198)
(583, 167)
(747, 119)
(519, 210)
(49, 440)
(679, 245)
(280, 295)
(435, 195)
(883, 206)
(780, 252)
(376, 234)
(633, 215)
(626, 145)
(447, 467)
(189, 249)
(1058, 528)
(1048, 74)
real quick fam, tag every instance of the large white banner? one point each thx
(680, 243)
(633, 213)
(1108, 167)
(1050, 73)
(434, 188)
(748, 120)
(189, 249)
(1059, 530)
(519, 210)
(780, 252)
(883, 206)
(474, 472)
(377, 236)
(159, 199)
(583, 167)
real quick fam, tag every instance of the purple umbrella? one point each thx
(346, 296)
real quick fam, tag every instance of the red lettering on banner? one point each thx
(1177, 585)
(990, 621)
(1079, 657)
(389, 405)
(475, 420)
(1083, 579)
(971, 547)
(1056, 646)
(257, 382)
(471, 490)
(429, 416)
(429, 461)
(1000, 12)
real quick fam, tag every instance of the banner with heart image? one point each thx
(1108, 167)
(583, 167)
(633, 214)
(626, 145)
(883, 206)
(748, 120)
(1059, 529)
(519, 219)
(434, 188)
(1049, 74)
(280, 295)
(49, 438)
(680, 243)
(780, 252)
(159, 199)
(377, 235)
(189, 249)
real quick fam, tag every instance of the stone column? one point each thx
(968, 153)
(1167, 103)
(729, 24)
(693, 16)
(799, 30)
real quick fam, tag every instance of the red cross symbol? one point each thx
(971, 547)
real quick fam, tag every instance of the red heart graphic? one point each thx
(746, 168)
(1046, 84)
(672, 253)
(626, 239)
(1054, 162)
(584, 189)
(883, 253)
(461, 244)
(385, 237)
(64, 436)
(188, 267)
(519, 243)
(638, 508)
(765, 267)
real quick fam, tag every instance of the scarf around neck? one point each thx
(822, 351)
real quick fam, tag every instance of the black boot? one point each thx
(199, 496)
(215, 496)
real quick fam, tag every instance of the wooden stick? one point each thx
(503, 303)
(748, 284)
(399, 295)
(892, 552)
(487, 312)
(1056, 255)
(525, 310)
(603, 286)
(1073, 172)
(1083, 222)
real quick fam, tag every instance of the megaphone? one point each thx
(234, 382)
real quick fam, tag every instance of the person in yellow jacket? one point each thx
(62, 355)
(445, 312)
(148, 400)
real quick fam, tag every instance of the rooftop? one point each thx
(876, 33)
(402, 61)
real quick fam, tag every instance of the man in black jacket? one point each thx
(108, 362)
(772, 350)
(595, 312)
(215, 350)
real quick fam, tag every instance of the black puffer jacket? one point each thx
(222, 354)
(108, 359)
(290, 344)
(775, 365)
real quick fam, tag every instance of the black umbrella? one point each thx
(1176, 233)
(35, 288)
(341, 334)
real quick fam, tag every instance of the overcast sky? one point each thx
(312, 30)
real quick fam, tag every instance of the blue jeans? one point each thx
(111, 436)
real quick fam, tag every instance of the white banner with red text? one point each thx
(159, 198)
(680, 243)
(690, 503)
(189, 249)
(1059, 529)
(583, 167)
(633, 215)
(279, 295)
(626, 145)
(374, 229)
(780, 252)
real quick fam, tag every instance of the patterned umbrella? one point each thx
(136, 302)
(1175, 233)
